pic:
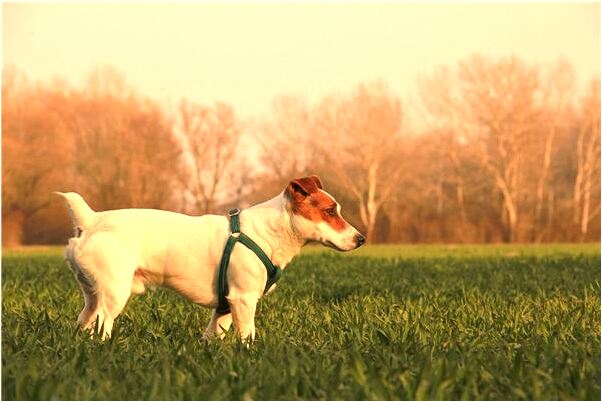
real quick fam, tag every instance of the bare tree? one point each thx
(498, 103)
(447, 131)
(588, 161)
(502, 99)
(210, 137)
(359, 139)
(286, 134)
(557, 89)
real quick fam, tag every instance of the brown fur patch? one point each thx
(304, 186)
(315, 207)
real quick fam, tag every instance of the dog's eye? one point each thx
(332, 211)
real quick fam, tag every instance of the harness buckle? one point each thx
(234, 220)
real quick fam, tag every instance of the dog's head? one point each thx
(316, 216)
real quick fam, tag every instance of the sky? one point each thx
(246, 54)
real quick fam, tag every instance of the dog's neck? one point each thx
(269, 225)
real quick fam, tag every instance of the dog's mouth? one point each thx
(326, 243)
(330, 244)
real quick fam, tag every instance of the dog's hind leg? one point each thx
(113, 301)
(106, 280)
(101, 307)
(87, 316)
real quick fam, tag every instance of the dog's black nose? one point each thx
(360, 239)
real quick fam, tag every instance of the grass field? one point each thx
(385, 322)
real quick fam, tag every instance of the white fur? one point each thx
(122, 252)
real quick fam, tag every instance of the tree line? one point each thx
(500, 151)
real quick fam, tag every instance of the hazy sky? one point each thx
(246, 54)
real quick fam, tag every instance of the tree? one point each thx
(286, 134)
(558, 86)
(125, 153)
(283, 139)
(210, 137)
(35, 150)
(359, 140)
(502, 102)
(587, 179)
(499, 105)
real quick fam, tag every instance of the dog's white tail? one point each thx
(81, 214)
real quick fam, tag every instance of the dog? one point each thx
(119, 253)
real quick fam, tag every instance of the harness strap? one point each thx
(274, 272)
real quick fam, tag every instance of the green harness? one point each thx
(273, 271)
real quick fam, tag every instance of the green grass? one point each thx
(410, 251)
(385, 322)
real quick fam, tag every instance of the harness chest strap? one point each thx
(274, 272)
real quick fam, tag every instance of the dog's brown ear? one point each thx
(316, 180)
(299, 189)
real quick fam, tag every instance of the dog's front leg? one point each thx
(243, 313)
(220, 323)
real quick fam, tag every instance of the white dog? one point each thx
(115, 254)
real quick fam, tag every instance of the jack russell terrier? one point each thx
(115, 254)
